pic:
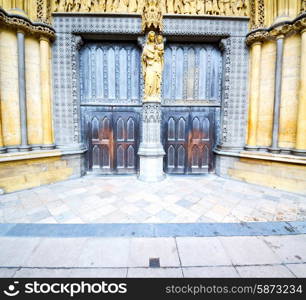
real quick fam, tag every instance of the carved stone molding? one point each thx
(257, 36)
(151, 113)
(271, 33)
(21, 23)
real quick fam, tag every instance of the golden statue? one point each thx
(225, 7)
(78, 5)
(178, 6)
(109, 5)
(132, 6)
(211, 7)
(242, 8)
(170, 8)
(152, 66)
(303, 6)
(57, 4)
(115, 5)
(140, 4)
(152, 15)
(200, 7)
(122, 6)
(69, 5)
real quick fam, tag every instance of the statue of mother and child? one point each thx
(152, 66)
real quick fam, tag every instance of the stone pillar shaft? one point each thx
(301, 120)
(22, 92)
(2, 149)
(254, 96)
(277, 95)
(10, 115)
(45, 74)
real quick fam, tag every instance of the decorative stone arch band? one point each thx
(23, 24)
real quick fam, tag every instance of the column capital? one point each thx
(44, 38)
(20, 31)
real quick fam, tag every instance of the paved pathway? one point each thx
(124, 199)
(249, 256)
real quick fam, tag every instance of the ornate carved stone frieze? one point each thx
(186, 7)
(151, 113)
(23, 24)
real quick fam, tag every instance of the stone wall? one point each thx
(284, 173)
(23, 171)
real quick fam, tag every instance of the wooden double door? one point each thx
(112, 138)
(188, 139)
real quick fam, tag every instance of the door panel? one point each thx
(125, 141)
(175, 135)
(200, 140)
(112, 139)
(188, 140)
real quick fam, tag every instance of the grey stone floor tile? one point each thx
(142, 249)
(16, 251)
(210, 272)
(105, 252)
(7, 272)
(71, 273)
(290, 249)
(275, 271)
(41, 272)
(202, 251)
(86, 195)
(249, 251)
(299, 270)
(98, 273)
(56, 252)
(154, 273)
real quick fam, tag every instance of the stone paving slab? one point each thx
(153, 230)
(267, 271)
(178, 199)
(122, 257)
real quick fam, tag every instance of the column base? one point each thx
(24, 148)
(274, 150)
(151, 168)
(285, 151)
(2, 149)
(11, 149)
(48, 147)
(251, 148)
(151, 158)
(299, 152)
(36, 147)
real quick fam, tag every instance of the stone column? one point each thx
(22, 92)
(45, 77)
(10, 115)
(254, 96)
(2, 148)
(277, 94)
(151, 151)
(301, 120)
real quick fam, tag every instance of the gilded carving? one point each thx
(303, 6)
(188, 7)
(152, 17)
(152, 66)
